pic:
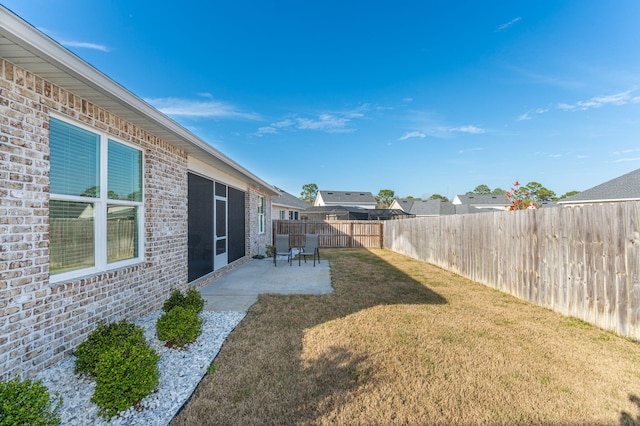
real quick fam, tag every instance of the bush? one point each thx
(101, 340)
(194, 301)
(27, 403)
(179, 326)
(271, 250)
(176, 299)
(124, 375)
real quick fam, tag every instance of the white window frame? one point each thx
(261, 219)
(101, 203)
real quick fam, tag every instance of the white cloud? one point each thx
(463, 151)
(411, 135)
(407, 100)
(528, 115)
(618, 99)
(85, 45)
(274, 127)
(71, 43)
(508, 24)
(468, 129)
(268, 130)
(330, 122)
(626, 151)
(283, 123)
(623, 160)
(325, 122)
(192, 108)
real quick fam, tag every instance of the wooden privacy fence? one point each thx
(583, 261)
(333, 233)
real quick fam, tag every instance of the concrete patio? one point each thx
(238, 289)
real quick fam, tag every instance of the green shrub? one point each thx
(271, 250)
(194, 300)
(179, 326)
(101, 340)
(176, 299)
(124, 375)
(27, 403)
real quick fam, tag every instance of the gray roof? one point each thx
(29, 48)
(467, 208)
(431, 207)
(622, 188)
(406, 203)
(485, 200)
(287, 200)
(547, 204)
(347, 197)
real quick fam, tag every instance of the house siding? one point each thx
(42, 322)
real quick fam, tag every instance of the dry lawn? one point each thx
(404, 342)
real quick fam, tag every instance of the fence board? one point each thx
(580, 261)
(333, 233)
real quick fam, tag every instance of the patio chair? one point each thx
(310, 249)
(282, 249)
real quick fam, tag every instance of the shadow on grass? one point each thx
(627, 419)
(262, 375)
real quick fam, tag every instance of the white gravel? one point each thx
(180, 372)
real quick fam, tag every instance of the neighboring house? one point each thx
(547, 204)
(363, 200)
(622, 188)
(482, 202)
(286, 206)
(403, 204)
(351, 213)
(421, 208)
(106, 204)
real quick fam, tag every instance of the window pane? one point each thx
(221, 190)
(71, 234)
(122, 233)
(221, 246)
(75, 156)
(221, 218)
(125, 172)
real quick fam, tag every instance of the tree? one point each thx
(385, 197)
(309, 192)
(569, 194)
(519, 198)
(480, 190)
(539, 193)
(439, 197)
(498, 191)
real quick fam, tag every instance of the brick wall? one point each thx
(41, 322)
(258, 242)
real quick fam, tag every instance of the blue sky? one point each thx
(420, 97)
